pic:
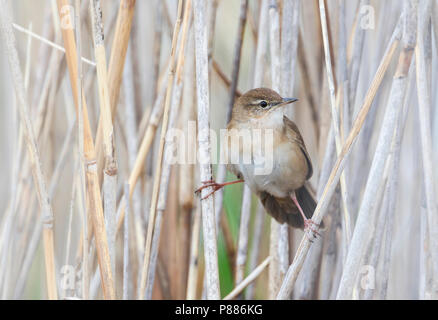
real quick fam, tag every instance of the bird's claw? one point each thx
(209, 183)
(311, 229)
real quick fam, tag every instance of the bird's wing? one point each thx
(293, 132)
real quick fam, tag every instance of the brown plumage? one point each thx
(284, 210)
(260, 109)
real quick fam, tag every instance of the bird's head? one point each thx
(258, 103)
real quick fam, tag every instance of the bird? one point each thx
(284, 191)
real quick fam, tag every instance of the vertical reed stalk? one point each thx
(110, 169)
(424, 113)
(158, 168)
(335, 174)
(94, 203)
(335, 118)
(242, 246)
(34, 157)
(203, 103)
(115, 69)
(363, 226)
(274, 44)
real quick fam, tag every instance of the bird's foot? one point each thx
(210, 183)
(215, 185)
(311, 229)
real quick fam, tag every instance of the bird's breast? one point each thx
(278, 169)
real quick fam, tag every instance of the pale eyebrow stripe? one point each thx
(258, 102)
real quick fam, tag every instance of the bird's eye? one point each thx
(263, 104)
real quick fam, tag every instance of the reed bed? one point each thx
(111, 119)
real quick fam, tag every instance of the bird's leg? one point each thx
(216, 186)
(308, 223)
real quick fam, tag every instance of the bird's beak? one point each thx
(286, 101)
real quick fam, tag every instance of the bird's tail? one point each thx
(284, 209)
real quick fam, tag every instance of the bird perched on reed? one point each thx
(283, 190)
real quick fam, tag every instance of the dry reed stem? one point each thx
(194, 256)
(102, 78)
(237, 56)
(43, 114)
(145, 146)
(331, 259)
(255, 248)
(221, 170)
(290, 14)
(335, 118)
(126, 246)
(153, 261)
(141, 128)
(158, 169)
(84, 241)
(357, 55)
(226, 81)
(424, 114)
(356, 47)
(425, 274)
(435, 23)
(306, 287)
(164, 183)
(260, 57)
(333, 180)
(157, 47)
(221, 173)
(165, 179)
(242, 246)
(48, 42)
(186, 122)
(168, 153)
(358, 181)
(391, 190)
(203, 103)
(212, 9)
(366, 213)
(47, 32)
(289, 44)
(186, 172)
(252, 25)
(28, 56)
(306, 83)
(94, 202)
(275, 276)
(110, 169)
(29, 255)
(248, 280)
(115, 68)
(262, 42)
(342, 103)
(43, 198)
(131, 132)
(69, 228)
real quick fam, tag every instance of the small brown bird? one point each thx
(283, 191)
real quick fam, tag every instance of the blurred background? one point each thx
(397, 258)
